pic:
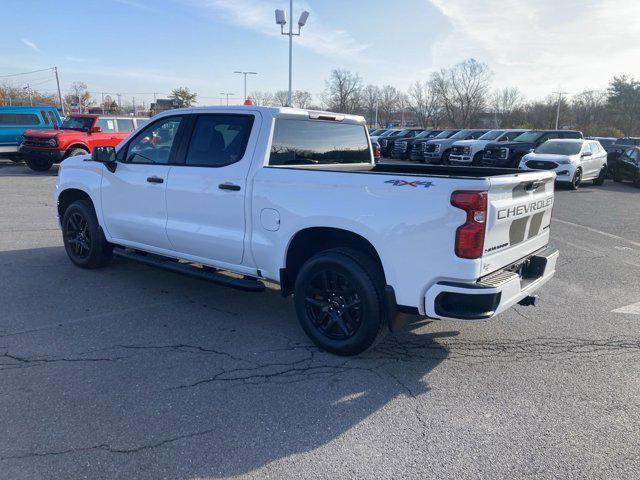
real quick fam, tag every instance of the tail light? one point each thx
(470, 236)
(376, 151)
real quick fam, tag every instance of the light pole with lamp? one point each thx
(245, 80)
(227, 94)
(281, 19)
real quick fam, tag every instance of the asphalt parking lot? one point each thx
(130, 372)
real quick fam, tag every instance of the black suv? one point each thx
(418, 147)
(387, 143)
(402, 148)
(617, 149)
(628, 166)
(509, 154)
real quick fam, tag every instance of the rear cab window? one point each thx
(19, 119)
(318, 142)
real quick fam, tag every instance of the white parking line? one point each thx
(610, 235)
(633, 309)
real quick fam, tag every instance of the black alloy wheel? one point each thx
(333, 305)
(77, 236)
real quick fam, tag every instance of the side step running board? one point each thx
(246, 284)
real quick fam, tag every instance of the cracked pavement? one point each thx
(129, 372)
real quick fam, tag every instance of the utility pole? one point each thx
(558, 109)
(245, 80)
(119, 95)
(102, 104)
(134, 106)
(376, 120)
(28, 89)
(55, 70)
(281, 19)
(227, 94)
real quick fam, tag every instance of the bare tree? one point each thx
(261, 98)
(389, 103)
(462, 90)
(424, 104)
(370, 101)
(79, 96)
(302, 98)
(504, 103)
(11, 95)
(281, 98)
(589, 110)
(343, 91)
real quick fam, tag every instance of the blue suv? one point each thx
(15, 120)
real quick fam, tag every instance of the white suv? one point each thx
(573, 160)
(469, 152)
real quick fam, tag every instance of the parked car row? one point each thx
(41, 138)
(573, 158)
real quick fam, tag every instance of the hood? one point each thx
(471, 143)
(549, 157)
(42, 133)
(519, 146)
(442, 141)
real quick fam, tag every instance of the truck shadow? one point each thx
(11, 169)
(193, 379)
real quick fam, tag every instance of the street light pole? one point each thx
(558, 109)
(245, 80)
(281, 19)
(227, 94)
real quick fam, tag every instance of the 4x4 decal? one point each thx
(416, 183)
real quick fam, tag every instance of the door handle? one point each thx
(155, 180)
(229, 186)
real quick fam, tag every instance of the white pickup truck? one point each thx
(239, 195)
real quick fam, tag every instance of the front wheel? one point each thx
(576, 181)
(77, 151)
(339, 301)
(477, 159)
(39, 164)
(83, 238)
(600, 179)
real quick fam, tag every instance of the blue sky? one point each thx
(138, 46)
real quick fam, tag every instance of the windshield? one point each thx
(424, 134)
(462, 134)
(606, 142)
(402, 133)
(445, 133)
(528, 137)
(377, 132)
(388, 133)
(491, 135)
(77, 123)
(559, 148)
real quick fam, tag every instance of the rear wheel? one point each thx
(39, 164)
(576, 181)
(339, 301)
(83, 238)
(600, 179)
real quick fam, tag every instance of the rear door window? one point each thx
(218, 140)
(52, 118)
(317, 142)
(43, 114)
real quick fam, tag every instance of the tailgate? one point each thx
(518, 217)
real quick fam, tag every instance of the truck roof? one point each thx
(280, 112)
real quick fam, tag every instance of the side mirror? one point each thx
(106, 155)
(95, 129)
(587, 154)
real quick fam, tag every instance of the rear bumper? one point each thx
(41, 154)
(493, 294)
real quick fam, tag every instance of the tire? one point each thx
(601, 177)
(577, 179)
(15, 159)
(39, 164)
(617, 177)
(75, 152)
(477, 159)
(328, 282)
(83, 238)
(445, 157)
